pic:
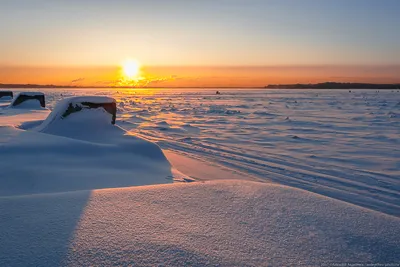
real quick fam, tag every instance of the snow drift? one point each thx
(34, 162)
(80, 150)
(225, 223)
(218, 223)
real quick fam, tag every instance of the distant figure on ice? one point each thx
(217, 93)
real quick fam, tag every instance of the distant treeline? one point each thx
(3, 85)
(333, 85)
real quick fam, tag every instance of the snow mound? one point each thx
(225, 223)
(76, 148)
(29, 100)
(35, 162)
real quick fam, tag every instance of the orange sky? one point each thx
(191, 76)
(308, 41)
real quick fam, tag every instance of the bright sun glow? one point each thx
(131, 68)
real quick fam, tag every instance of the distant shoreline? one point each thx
(325, 85)
(335, 85)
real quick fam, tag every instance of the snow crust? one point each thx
(219, 223)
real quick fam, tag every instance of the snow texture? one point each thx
(335, 143)
(335, 156)
(28, 104)
(219, 223)
(82, 151)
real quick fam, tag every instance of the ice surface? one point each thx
(224, 223)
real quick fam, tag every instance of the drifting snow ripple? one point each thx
(333, 142)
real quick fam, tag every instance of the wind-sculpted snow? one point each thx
(342, 146)
(224, 223)
(80, 151)
(333, 142)
(34, 162)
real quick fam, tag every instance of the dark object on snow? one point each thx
(217, 93)
(349, 91)
(109, 107)
(6, 93)
(24, 96)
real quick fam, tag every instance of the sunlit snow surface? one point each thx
(216, 223)
(338, 144)
(334, 142)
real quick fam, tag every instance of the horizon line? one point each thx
(22, 86)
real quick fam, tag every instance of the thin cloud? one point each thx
(78, 80)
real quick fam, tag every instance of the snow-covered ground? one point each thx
(338, 151)
(82, 150)
(216, 223)
(336, 143)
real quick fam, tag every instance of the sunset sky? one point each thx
(199, 43)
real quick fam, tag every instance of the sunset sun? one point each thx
(131, 68)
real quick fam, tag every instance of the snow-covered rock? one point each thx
(29, 100)
(6, 95)
(90, 108)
